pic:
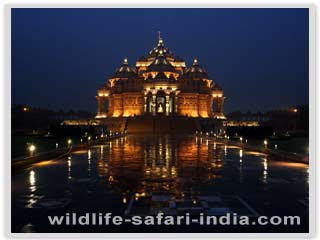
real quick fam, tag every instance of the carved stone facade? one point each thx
(160, 84)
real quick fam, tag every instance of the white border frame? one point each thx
(83, 4)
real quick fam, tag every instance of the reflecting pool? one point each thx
(145, 175)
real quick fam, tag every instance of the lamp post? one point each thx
(69, 142)
(32, 148)
(265, 142)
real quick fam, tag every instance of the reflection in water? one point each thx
(32, 198)
(265, 171)
(148, 174)
(32, 181)
(240, 166)
(69, 167)
(89, 162)
(163, 164)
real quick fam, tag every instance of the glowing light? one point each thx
(241, 139)
(44, 163)
(69, 141)
(265, 142)
(32, 178)
(57, 145)
(241, 153)
(275, 146)
(89, 138)
(32, 148)
(124, 200)
(111, 179)
(295, 110)
(25, 109)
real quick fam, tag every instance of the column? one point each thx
(145, 102)
(167, 104)
(176, 101)
(154, 103)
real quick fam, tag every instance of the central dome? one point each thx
(160, 49)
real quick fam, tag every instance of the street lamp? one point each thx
(32, 148)
(265, 142)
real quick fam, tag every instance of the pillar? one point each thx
(145, 103)
(167, 104)
(176, 102)
(154, 104)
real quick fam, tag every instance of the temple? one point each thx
(160, 84)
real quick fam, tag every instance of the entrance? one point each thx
(161, 103)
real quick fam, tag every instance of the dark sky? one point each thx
(258, 56)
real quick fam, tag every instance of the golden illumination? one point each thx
(44, 163)
(32, 178)
(32, 148)
(135, 96)
(265, 142)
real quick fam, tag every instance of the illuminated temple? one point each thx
(160, 84)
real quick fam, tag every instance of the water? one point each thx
(142, 175)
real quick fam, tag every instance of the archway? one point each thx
(161, 103)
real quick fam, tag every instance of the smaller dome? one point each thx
(196, 71)
(124, 71)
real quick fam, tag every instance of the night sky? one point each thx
(258, 56)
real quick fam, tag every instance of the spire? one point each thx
(160, 40)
